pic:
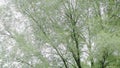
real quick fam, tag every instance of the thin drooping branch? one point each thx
(22, 61)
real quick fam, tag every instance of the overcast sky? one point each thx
(2, 2)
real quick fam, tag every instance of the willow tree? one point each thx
(55, 23)
(67, 26)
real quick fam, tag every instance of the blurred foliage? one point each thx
(63, 31)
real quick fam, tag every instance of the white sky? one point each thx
(2, 2)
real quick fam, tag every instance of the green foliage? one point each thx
(74, 24)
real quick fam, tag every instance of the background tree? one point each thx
(68, 33)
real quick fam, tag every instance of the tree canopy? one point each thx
(63, 33)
